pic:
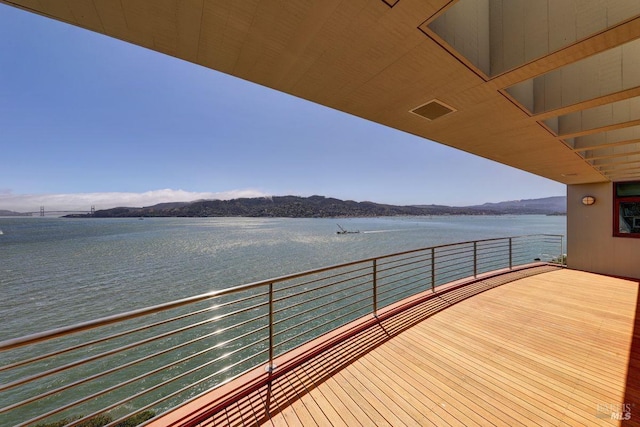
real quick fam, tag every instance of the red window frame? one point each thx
(617, 202)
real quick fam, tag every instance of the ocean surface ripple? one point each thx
(56, 271)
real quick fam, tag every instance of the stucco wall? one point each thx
(590, 242)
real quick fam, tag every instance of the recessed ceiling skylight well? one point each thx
(496, 36)
(606, 73)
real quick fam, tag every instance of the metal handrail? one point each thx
(159, 357)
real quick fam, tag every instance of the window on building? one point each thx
(626, 206)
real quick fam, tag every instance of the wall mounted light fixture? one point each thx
(588, 200)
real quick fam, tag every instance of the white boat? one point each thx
(344, 231)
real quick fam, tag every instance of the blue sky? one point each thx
(89, 120)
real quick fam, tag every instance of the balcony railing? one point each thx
(141, 364)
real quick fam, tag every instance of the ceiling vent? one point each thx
(433, 109)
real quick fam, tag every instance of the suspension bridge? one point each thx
(43, 212)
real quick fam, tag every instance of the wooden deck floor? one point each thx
(550, 349)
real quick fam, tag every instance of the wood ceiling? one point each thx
(556, 93)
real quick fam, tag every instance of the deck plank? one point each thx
(550, 349)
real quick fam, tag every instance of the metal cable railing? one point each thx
(129, 368)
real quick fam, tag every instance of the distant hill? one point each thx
(324, 207)
(547, 205)
(12, 213)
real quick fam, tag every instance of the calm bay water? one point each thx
(56, 272)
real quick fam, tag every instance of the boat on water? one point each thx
(345, 231)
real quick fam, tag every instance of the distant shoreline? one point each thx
(324, 207)
(9, 214)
